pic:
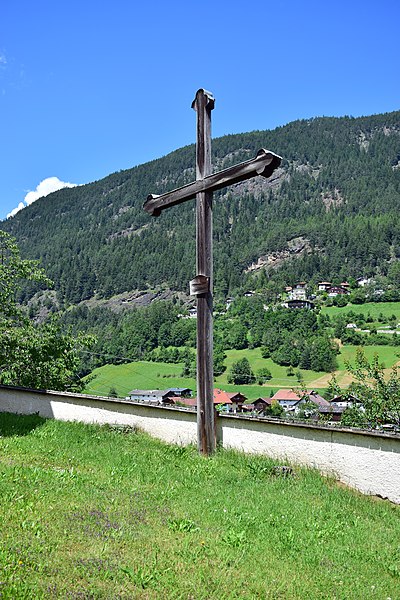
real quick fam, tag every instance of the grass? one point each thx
(373, 308)
(389, 355)
(149, 375)
(280, 379)
(93, 513)
(136, 375)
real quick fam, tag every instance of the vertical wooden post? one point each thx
(203, 105)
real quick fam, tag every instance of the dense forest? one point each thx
(330, 212)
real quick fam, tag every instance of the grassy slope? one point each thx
(144, 375)
(137, 375)
(88, 512)
(148, 375)
(374, 308)
(389, 355)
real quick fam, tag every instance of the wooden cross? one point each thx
(201, 286)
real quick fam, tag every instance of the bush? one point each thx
(263, 375)
(241, 373)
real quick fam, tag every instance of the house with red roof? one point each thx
(232, 402)
(291, 401)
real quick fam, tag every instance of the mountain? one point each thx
(331, 211)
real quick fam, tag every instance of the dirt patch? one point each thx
(343, 379)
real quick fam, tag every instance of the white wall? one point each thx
(367, 461)
(175, 426)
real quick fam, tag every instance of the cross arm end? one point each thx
(266, 170)
(210, 100)
(149, 205)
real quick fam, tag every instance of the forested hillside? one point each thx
(331, 211)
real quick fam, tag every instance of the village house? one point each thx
(151, 396)
(261, 404)
(292, 401)
(333, 412)
(299, 304)
(299, 291)
(363, 281)
(345, 401)
(180, 392)
(337, 290)
(314, 398)
(286, 398)
(230, 402)
(323, 286)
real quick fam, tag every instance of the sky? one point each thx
(89, 87)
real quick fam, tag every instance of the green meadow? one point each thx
(387, 309)
(388, 355)
(151, 375)
(92, 512)
(136, 375)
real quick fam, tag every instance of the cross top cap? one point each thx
(210, 100)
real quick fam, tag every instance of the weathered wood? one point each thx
(206, 183)
(203, 105)
(263, 164)
(199, 285)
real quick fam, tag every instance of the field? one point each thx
(387, 309)
(149, 375)
(91, 512)
(136, 375)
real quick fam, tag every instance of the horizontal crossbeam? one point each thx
(263, 164)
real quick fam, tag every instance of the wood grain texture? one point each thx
(204, 267)
(206, 183)
(263, 164)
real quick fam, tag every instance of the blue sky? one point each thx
(91, 87)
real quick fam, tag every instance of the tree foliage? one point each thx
(32, 355)
(241, 373)
(378, 394)
(339, 185)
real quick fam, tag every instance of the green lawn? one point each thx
(389, 355)
(150, 375)
(94, 513)
(280, 379)
(136, 375)
(374, 308)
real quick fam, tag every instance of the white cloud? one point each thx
(45, 187)
(14, 211)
